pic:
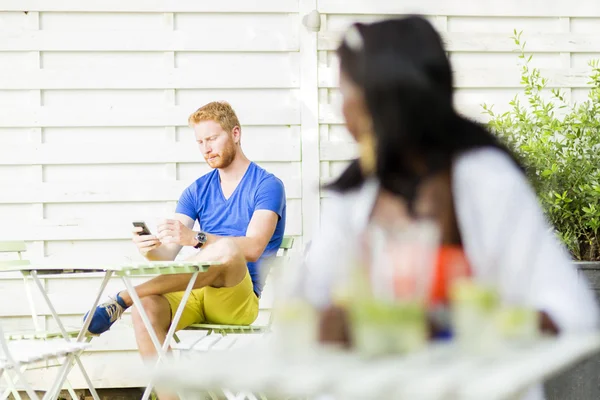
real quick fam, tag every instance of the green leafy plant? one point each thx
(558, 142)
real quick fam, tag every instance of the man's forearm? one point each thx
(249, 246)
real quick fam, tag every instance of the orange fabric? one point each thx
(451, 264)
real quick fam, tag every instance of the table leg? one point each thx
(88, 320)
(160, 349)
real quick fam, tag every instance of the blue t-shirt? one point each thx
(204, 201)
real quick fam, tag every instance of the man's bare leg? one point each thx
(159, 313)
(231, 272)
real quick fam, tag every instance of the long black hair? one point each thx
(402, 68)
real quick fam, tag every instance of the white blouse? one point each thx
(504, 234)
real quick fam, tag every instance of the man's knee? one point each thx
(235, 263)
(157, 309)
(232, 268)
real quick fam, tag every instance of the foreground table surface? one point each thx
(441, 371)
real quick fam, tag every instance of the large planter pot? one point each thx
(582, 381)
(591, 270)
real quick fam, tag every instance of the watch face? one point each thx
(201, 237)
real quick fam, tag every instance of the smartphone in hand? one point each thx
(145, 230)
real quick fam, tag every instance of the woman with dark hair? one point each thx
(419, 159)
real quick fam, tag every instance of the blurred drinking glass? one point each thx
(294, 320)
(388, 312)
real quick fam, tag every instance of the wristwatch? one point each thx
(201, 238)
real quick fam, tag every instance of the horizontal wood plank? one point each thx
(61, 292)
(251, 114)
(236, 6)
(338, 151)
(491, 77)
(329, 114)
(208, 76)
(98, 192)
(103, 229)
(474, 8)
(151, 40)
(498, 42)
(121, 153)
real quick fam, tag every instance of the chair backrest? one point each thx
(17, 247)
(12, 247)
(12, 264)
(286, 244)
(278, 262)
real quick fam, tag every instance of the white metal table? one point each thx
(441, 371)
(125, 271)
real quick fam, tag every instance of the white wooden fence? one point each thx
(94, 99)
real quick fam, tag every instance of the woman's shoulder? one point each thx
(350, 206)
(486, 158)
(353, 197)
(485, 166)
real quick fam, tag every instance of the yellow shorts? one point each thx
(236, 305)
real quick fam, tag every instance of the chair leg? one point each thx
(12, 387)
(54, 363)
(19, 376)
(62, 376)
(229, 395)
(86, 377)
(7, 390)
(197, 396)
(67, 383)
(71, 390)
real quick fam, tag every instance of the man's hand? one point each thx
(144, 243)
(173, 231)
